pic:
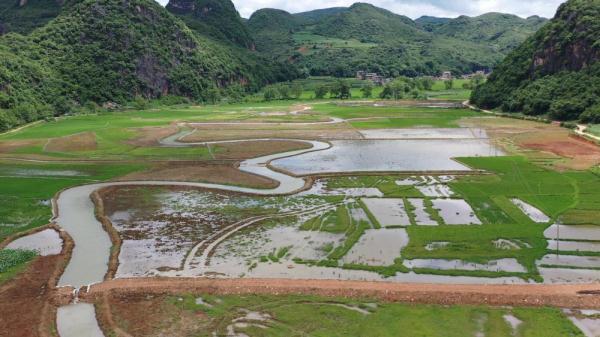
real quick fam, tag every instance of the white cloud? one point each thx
(412, 8)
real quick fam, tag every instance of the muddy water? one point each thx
(565, 232)
(422, 217)
(502, 265)
(77, 320)
(425, 133)
(378, 247)
(89, 262)
(388, 212)
(456, 212)
(46, 242)
(388, 155)
(533, 213)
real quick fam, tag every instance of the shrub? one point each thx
(566, 109)
(591, 115)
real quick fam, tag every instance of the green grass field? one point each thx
(594, 129)
(26, 189)
(316, 316)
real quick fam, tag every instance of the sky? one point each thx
(412, 8)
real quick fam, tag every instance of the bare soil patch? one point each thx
(151, 135)
(10, 146)
(26, 301)
(245, 150)
(84, 141)
(201, 172)
(539, 141)
(139, 314)
(233, 132)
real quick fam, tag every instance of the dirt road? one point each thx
(570, 296)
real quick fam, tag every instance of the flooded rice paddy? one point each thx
(387, 156)
(455, 212)
(502, 265)
(388, 212)
(425, 133)
(46, 242)
(533, 213)
(378, 247)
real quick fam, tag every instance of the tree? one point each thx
(213, 95)
(297, 90)
(591, 115)
(140, 103)
(449, 84)
(284, 91)
(321, 91)
(270, 93)
(367, 90)
(426, 83)
(477, 80)
(566, 109)
(334, 90)
(344, 89)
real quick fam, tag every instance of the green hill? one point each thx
(340, 41)
(113, 51)
(503, 32)
(215, 18)
(555, 71)
(23, 16)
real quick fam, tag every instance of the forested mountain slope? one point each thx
(113, 51)
(340, 41)
(555, 71)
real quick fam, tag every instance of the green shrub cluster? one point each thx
(10, 258)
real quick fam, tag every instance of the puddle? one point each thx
(436, 245)
(514, 323)
(77, 320)
(568, 275)
(46, 242)
(566, 232)
(45, 173)
(358, 215)
(505, 244)
(589, 326)
(201, 301)
(570, 261)
(574, 246)
(443, 191)
(502, 265)
(425, 133)
(455, 212)
(388, 212)
(378, 247)
(533, 213)
(387, 155)
(421, 216)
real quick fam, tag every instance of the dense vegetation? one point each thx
(25, 15)
(341, 41)
(96, 52)
(554, 72)
(215, 18)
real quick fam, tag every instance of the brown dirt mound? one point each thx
(245, 150)
(570, 148)
(201, 172)
(25, 308)
(84, 141)
(568, 296)
(147, 315)
(10, 146)
(149, 136)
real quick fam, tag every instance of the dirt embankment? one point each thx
(28, 302)
(201, 172)
(569, 296)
